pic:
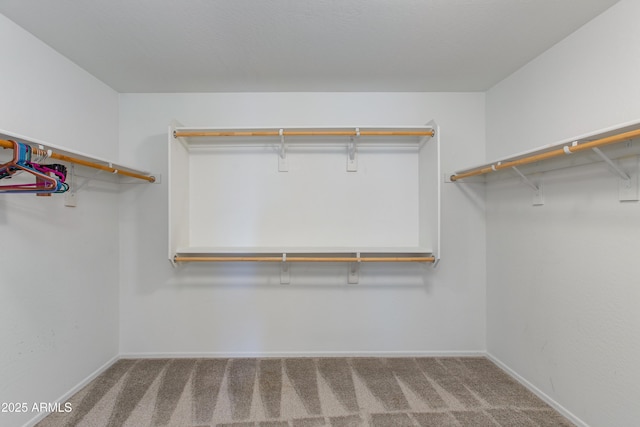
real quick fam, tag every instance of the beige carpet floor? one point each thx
(306, 392)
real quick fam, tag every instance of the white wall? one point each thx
(317, 203)
(237, 309)
(58, 290)
(562, 279)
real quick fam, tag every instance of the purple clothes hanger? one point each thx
(59, 171)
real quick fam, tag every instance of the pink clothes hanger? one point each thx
(21, 162)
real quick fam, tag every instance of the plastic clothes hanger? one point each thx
(54, 170)
(57, 169)
(21, 162)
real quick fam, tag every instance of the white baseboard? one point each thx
(252, 354)
(535, 390)
(73, 391)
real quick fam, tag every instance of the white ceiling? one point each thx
(301, 45)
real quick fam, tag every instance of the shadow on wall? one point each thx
(302, 275)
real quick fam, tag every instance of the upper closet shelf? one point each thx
(75, 157)
(292, 131)
(285, 136)
(603, 146)
(586, 143)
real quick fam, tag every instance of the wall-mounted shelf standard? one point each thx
(348, 194)
(593, 143)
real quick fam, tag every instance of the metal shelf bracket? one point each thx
(352, 159)
(538, 195)
(622, 174)
(71, 197)
(285, 271)
(627, 182)
(354, 271)
(283, 163)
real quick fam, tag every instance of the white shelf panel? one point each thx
(300, 250)
(301, 128)
(193, 142)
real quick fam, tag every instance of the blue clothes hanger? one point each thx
(21, 162)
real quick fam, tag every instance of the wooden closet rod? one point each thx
(190, 133)
(567, 149)
(302, 259)
(9, 144)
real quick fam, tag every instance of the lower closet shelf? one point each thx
(325, 254)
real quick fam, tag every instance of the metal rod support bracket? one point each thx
(352, 149)
(354, 270)
(538, 195)
(285, 272)
(71, 197)
(283, 163)
(622, 174)
(627, 182)
(85, 182)
(525, 179)
(629, 189)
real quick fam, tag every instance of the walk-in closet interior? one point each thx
(310, 213)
